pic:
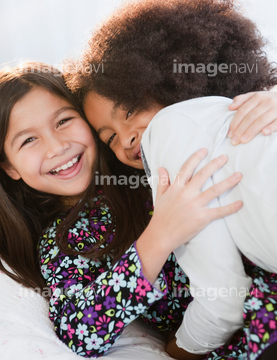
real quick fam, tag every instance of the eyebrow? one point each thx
(113, 113)
(54, 115)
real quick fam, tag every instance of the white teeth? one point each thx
(66, 166)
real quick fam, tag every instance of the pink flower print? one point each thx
(143, 287)
(102, 324)
(258, 327)
(98, 307)
(272, 324)
(254, 347)
(119, 325)
(70, 331)
(122, 266)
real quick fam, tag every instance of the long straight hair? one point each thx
(25, 212)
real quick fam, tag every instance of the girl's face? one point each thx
(49, 145)
(120, 129)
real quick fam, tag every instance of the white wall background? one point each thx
(51, 30)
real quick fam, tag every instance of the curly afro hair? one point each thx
(142, 45)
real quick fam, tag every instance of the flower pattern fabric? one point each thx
(93, 301)
(260, 319)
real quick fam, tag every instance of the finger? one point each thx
(188, 168)
(164, 182)
(268, 130)
(220, 212)
(251, 125)
(258, 125)
(207, 171)
(220, 188)
(240, 100)
(242, 111)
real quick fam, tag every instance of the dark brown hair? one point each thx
(142, 44)
(25, 212)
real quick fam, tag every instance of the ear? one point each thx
(10, 170)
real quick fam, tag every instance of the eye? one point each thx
(111, 139)
(63, 121)
(30, 139)
(129, 113)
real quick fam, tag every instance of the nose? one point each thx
(56, 145)
(128, 138)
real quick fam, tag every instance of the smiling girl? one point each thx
(138, 45)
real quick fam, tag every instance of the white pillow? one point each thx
(27, 333)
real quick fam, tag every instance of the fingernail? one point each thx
(266, 131)
(234, 140)
(230, 134)
(244, 138)
(203, 152)
(223, 157)
(237, 176)
(238, 204)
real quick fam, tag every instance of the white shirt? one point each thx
(212, 260)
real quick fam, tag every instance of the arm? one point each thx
(211, 260)
(89, 306)
(256, 112)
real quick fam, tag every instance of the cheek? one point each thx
(84, 135)
(122, 157)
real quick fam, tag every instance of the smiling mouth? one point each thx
(136, 153)
(66, 166)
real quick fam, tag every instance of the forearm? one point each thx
(153, 251)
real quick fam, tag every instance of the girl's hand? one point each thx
(174, 351)
(181, 208)
(256, 112)
(181, 211)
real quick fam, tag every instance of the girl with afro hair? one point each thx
(158, 54)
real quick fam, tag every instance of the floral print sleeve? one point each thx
(93, 301)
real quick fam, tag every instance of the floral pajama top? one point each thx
(93, 301)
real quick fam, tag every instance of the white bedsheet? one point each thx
(26, 333)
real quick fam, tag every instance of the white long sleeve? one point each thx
(211, 260)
